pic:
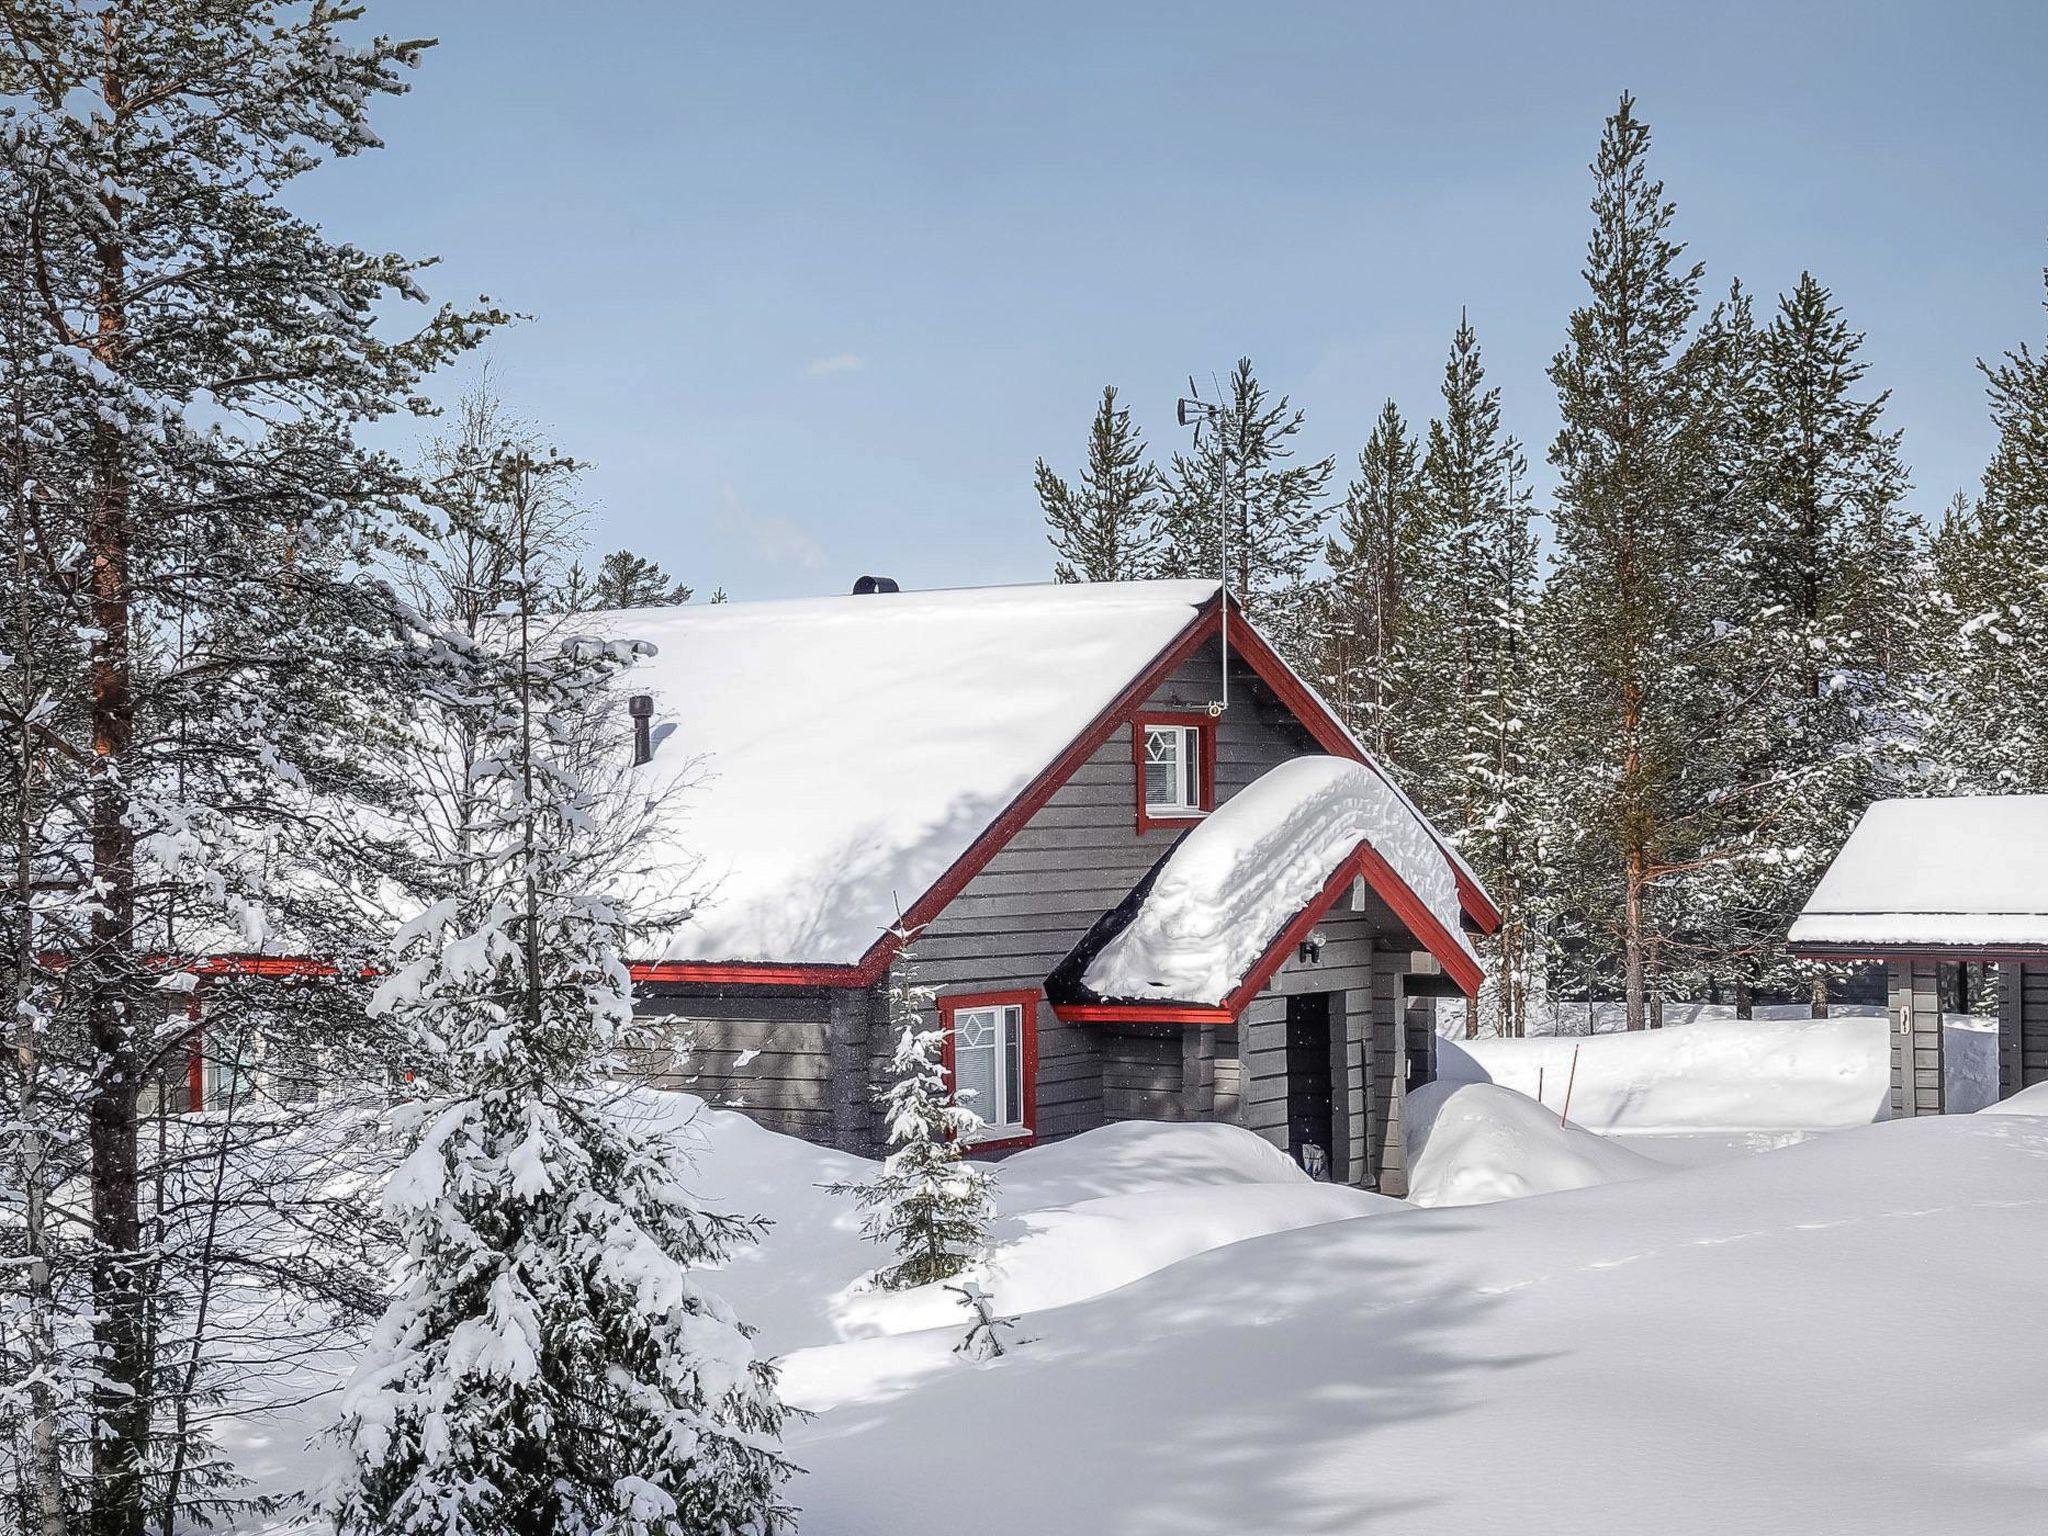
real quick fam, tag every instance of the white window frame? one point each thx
(1009, 1057)
(1189, 776)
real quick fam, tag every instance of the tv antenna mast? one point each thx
(1191, 410)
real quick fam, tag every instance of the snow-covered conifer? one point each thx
(553, 1360)
(926, 1201)
(1377, 557)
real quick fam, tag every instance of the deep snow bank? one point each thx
(1714, 1351)
(1712, 1075)
(1074, 1219)
(1471, 1143)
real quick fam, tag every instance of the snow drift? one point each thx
(1714, 1075)
(1714, 1351)
(1253, 865)
(1470, 1143)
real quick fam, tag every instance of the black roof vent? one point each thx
(867, 586)
(641, 707)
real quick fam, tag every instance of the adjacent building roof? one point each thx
(1935, 876)
(1218, 909)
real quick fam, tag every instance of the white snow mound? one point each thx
(1474, 1143)
(2028, 1101)
(1713, 1075)
(1253, 865)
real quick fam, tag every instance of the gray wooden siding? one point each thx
(822, 1055)
(1070, 863)
(764, 1050)
(1914, 994)
(2023, 1026)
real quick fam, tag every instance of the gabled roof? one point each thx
(842, 763)
(1218, 914)
(1964, 875)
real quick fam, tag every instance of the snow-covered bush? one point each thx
(926, 1200)
(551, 1362)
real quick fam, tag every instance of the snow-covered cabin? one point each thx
(1926, 886)
(1140, 889)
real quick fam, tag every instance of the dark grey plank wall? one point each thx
(786, 1079)
(1914, 995)
(1071, 862)
(2024, 991)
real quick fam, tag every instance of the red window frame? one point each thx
(1204, 726)
(1026, 1003)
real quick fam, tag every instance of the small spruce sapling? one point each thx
(926, 1200)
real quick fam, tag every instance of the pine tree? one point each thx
(1239, 479)
(1988, 647)
(552, 1361)
(1106, 528)
(1377, 558)
(196, 515)
(1628, 528)
(623, 580)
(926, 1201)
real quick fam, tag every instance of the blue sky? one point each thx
(812, 285)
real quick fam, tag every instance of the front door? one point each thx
(1309, 1109)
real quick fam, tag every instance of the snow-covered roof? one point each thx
(832, 757)
(1231, 886)
(1969, 872)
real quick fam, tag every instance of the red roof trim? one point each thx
(1140, 1013)
(747, 973)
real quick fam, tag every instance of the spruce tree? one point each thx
(1821, 555)
(1378, 557)
(196, 515)
(926, 1201)
(1987, 653)
(1106, 527)
(552, 1360)
(1628, 528)
(1239, 482)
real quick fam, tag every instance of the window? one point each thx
(992, 1057)
(1175, 756)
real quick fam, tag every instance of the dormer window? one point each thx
(1175, 758)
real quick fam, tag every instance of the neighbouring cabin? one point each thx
(999, 772)
(1930, 887)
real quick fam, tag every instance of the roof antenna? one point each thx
(1191, 410)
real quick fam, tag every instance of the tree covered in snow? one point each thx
(192, 521)
(1105, 526)
(1813, 596)
(1622, 624)
(1239, 482)
(552, 1361)
(1987, 643)
(1377, 558)
(926, 1200)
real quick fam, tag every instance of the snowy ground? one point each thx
(1821, 1339)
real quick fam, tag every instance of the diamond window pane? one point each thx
(1171, 769)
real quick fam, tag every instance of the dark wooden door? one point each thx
(1309, 1109)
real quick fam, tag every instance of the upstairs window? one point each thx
(1176, 768)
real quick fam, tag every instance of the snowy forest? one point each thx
(269, 684)
(1651, 706)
